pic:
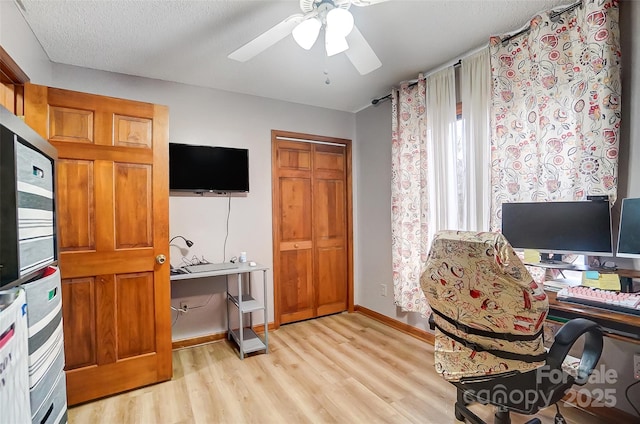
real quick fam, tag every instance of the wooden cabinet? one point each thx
(312, 226)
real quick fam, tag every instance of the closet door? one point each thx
(311, 226)
(330, 228)
(112, 217)
(294, 273)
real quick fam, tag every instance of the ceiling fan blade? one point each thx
(307, 5)
(362, 3)
(267, 39)
(361, 54)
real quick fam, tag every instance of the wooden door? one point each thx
(12, 80)
(112, 216)
(311, 226)
(293, 274)
(330, 228)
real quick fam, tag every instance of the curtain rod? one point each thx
(553, 16)
(454, 62)
(412, 83)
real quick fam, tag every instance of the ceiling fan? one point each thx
(305, 27)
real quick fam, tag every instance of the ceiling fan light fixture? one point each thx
(340, 21)
(306, 32)
(334, 43)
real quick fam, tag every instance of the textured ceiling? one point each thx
(188, 41)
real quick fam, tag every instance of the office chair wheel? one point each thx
(534, 421)
(559, 419)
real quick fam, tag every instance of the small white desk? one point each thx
(244, 336)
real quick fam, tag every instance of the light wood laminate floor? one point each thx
(345, 368)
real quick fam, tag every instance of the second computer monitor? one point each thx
(629, 235)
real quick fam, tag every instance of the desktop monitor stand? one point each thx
(551, 259)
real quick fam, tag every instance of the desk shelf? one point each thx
(249, 304)
(245, 305)
(250, 341)
(615, 325)
(242, 303)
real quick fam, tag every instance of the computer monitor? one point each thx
(582, 227)
(629, 235)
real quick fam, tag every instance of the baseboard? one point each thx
(400, 326)
(210, 338)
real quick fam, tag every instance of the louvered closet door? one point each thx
(112, 216)
(311, 211)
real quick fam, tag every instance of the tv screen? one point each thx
(629, 236)
(559, 227)
(208, 169)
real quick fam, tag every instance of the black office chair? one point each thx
(488, 316)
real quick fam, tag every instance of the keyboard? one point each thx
(210, 267)
(626, 303)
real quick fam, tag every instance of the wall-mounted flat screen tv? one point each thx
(212, 169)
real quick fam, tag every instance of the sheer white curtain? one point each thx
(442, 155)
(439, 172)
(475, 94)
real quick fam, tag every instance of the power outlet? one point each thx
(184, 307)
(636, 366)
(383, 290)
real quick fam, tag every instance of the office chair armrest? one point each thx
(567, 336)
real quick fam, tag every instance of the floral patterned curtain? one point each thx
(409, 196)
(556, 108)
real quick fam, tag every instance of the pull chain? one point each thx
(326, 69)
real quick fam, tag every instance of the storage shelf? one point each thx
(244, 305)
(251, 341)
(249, 304)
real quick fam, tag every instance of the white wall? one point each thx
(373, 219)
(18, 40)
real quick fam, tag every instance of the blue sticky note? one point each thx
(592, 275)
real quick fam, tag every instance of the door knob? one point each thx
(160, 259)
(296, 245)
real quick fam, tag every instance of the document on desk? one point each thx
(601, 281)
(559, 284)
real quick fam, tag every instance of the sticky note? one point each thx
(531, 256)
(610, 282)
(590, 282)
(592, 275)
(601, 281)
